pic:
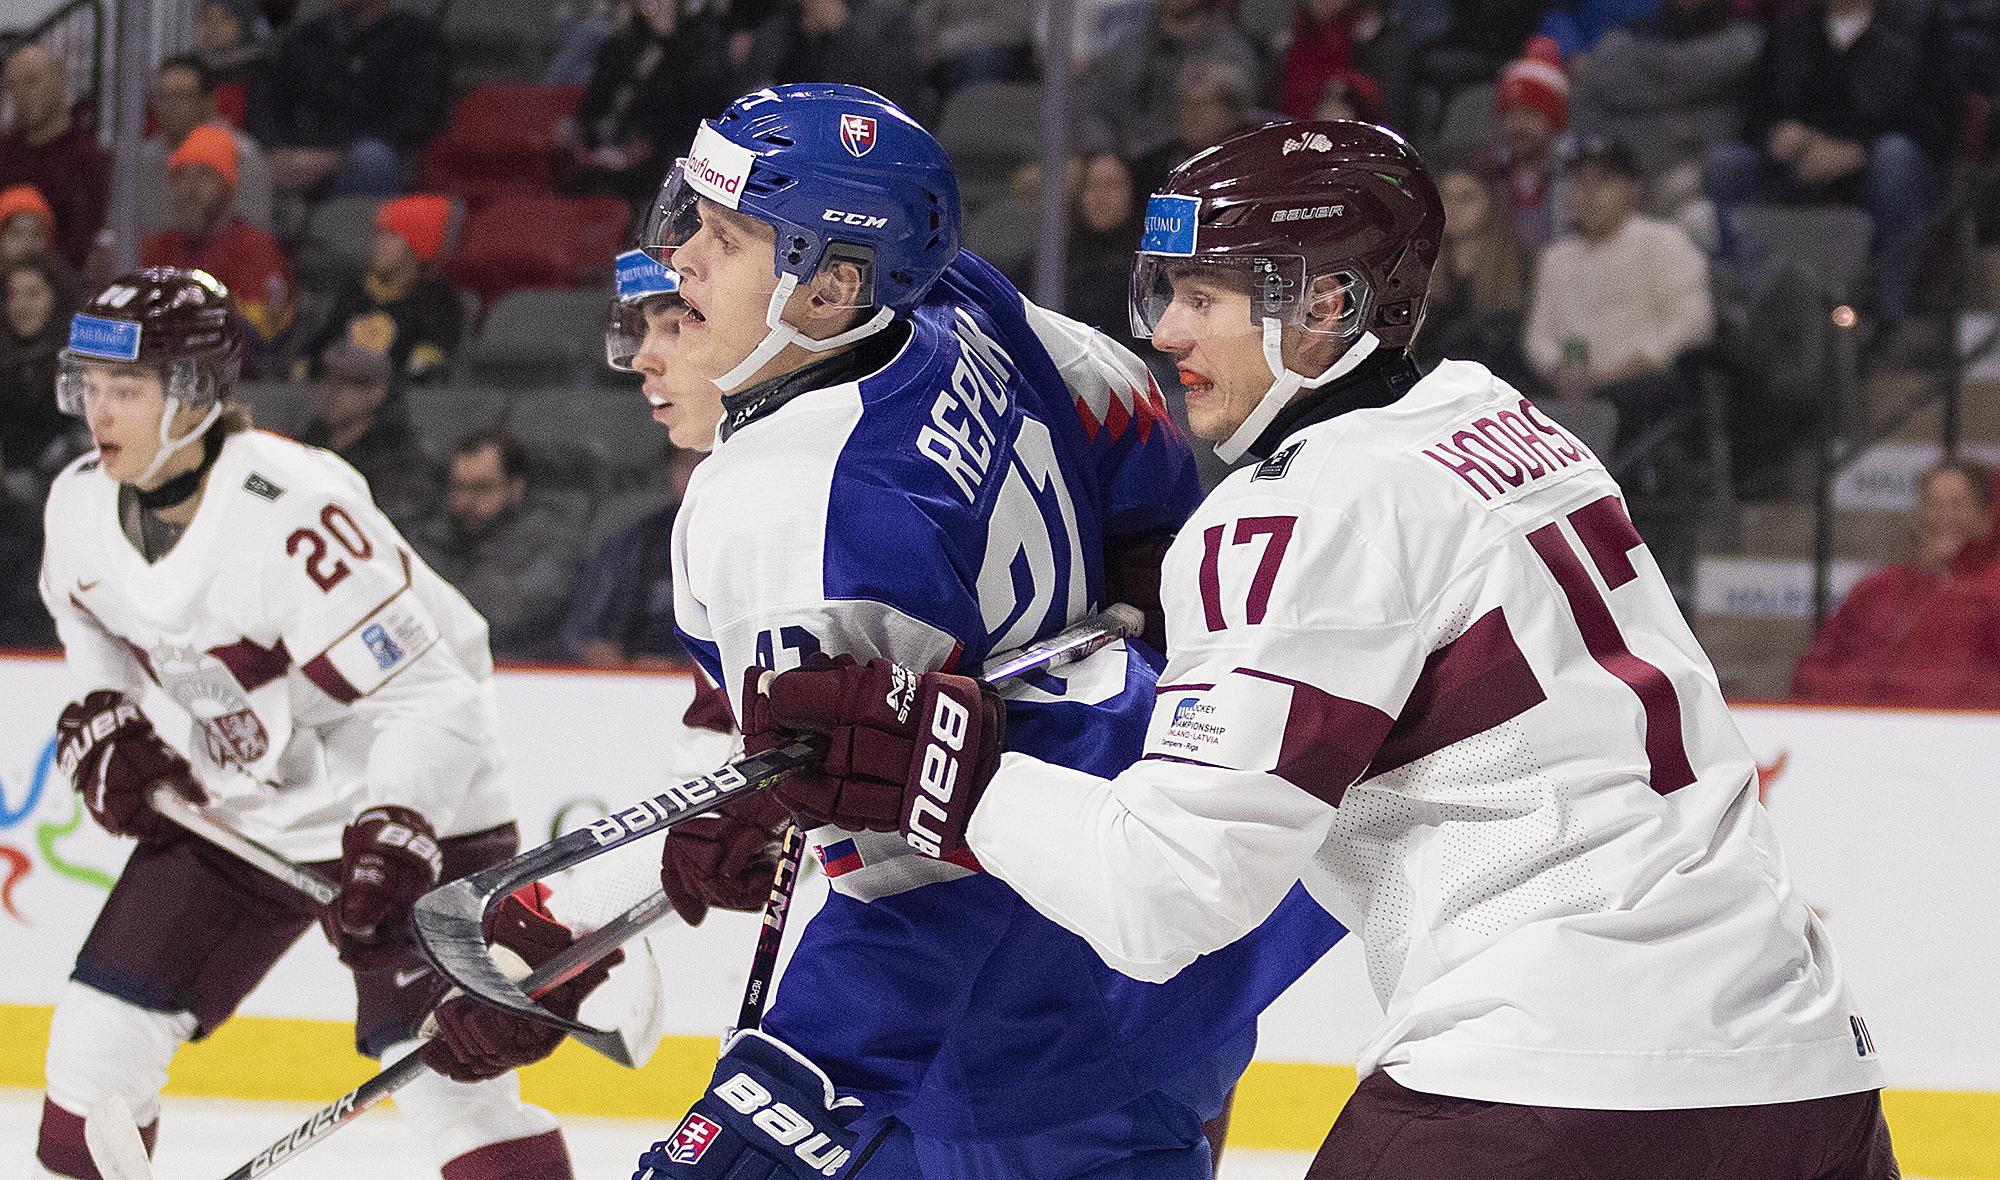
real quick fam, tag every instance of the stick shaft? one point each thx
(203, 822)
(771, 935)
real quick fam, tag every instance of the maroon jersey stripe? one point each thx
(321, 671)
(1468, 686)
(253, 666)
(1328, 740)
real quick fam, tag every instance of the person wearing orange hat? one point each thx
(208, 234)
(1531, 106)
(402, 303)
(27, 223)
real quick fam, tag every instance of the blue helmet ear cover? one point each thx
(843, 174)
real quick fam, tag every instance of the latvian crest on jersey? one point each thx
(224, 720)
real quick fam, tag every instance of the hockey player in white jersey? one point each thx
(340, 706)
(1419, 659)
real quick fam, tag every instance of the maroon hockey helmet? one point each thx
(174, 319)
(1294, 202)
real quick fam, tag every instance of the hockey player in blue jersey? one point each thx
(914, 463)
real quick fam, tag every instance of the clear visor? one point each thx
(625, 330)
(1204, 285)
(83, 380)
(677, 217)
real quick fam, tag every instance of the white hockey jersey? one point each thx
(1421, 661)
(322, 665)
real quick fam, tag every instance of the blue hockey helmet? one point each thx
(843, 175)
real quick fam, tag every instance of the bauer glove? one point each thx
(910, 751)
(389, 857)
(111, 753)
(769, 1114)
(475, 1041)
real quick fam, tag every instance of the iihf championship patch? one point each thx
(691, 1140)
(838, 858)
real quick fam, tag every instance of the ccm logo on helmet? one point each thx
(939, 776)
(783, 1124)
(842, 217)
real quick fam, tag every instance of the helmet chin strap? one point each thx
(168, 443)
(782, 333)
(1285, 383)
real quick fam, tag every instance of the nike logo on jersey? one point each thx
(83, 587)
(406, 978)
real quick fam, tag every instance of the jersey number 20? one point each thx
(337, 522)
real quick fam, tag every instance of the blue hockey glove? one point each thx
(769, 1114)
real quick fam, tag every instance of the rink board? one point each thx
(1887, 819)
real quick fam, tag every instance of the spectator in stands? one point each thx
(47, 145)
(974, 41)
(1104, 225)
(1848, 104)
(1531, 102)
(184, 99)
(864, 42)
(1480, 283)
(1212, 104)
(621, 612)
(1350, 94)
(1924, 631)
(363, 419)
(351, 95)
(1618, 301)
(513, 557)
(1577, 26)
(1320, 47)
(232, 39)
(24, 621)
(655, 80)
(27, 224)
(208, 233)
(402, 303)
(1670, 86)
(36, 438)
(1466, 42)
(1136, 87)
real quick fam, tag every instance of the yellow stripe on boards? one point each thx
(1280, 1106)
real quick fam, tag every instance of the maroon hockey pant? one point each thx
(1387, 1132)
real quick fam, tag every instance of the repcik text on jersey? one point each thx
(962, 433)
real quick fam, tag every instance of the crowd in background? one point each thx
(1593, 157)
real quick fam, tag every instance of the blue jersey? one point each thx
(954, 503)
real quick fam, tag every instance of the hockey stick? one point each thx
(204, 822)
(771, 935)
(450, 919)
(111, 1131)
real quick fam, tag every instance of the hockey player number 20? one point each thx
(1609, 538)
(337, 522)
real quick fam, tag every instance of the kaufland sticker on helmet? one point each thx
(717, 168)
(641, 275)
(857, 134)
(111, 340)
(1170, 222)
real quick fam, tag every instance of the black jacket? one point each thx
(330, 84)
(1890, 81)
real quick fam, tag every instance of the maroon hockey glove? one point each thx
(724, 860)
(475, 1042)
(709, 709)
(911, 751)
(1132, 576)
(109, 750)
(389, 858)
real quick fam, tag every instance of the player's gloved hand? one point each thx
(709, 709)
(1132, 576)
(725, 860)
(109, 750)
(389, 857)
(910, 751)
(769, 1113)
(475, 1041)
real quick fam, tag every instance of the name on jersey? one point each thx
(676, 801)
(962, 433)
(1506, 451)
